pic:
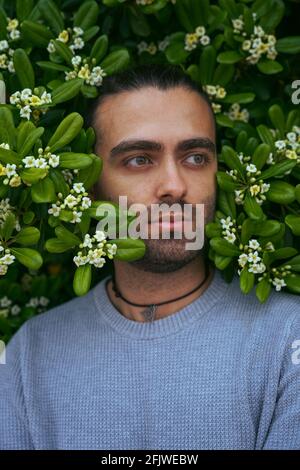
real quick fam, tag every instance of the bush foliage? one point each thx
(54, 55)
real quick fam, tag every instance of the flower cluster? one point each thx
(278, 275)
(71, 36)
(229, 230)
(68, 175)
(215, 93)
(45, 159)
(290, 146)
(95, 249)
(198, 37)
(258, 43)
(235, 113)
(91, 76)
(9, 171)
(38, 302)
(151, 47)
(251, 259)
(77, 201)
(12, 28)
(6, 258)
(27, 102)
(8, 308)
(6, 53)
(256, 186)
(5, 209)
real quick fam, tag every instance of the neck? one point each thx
(145, 287)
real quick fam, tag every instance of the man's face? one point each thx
(162, 174)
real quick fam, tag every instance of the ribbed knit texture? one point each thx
(217, 374)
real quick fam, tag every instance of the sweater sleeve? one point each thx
(14, 429)
(284, 431)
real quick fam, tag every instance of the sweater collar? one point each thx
(172, 323)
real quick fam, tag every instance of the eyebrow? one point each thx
(151, 145)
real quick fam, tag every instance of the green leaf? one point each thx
(293, 283)
(277, 117)
(43, 191)
(288, 45)
(129, 249)
(67, 90)
(87, 15)
(279, 169)
(24, 69)
(115, 61)
(33, 175)
(252, 208)
(207, 64)
(293, 221)
(28, 257)
(281, 192)
(68, 237)
(246, 280)
(30, 140)
(269, 67)
(229, 57)
(52, 15)
(261, 155)
(36, 34)
(232, 160)
(99, 48)
(74, 160)
(294, 263)
(263, 290)
(82, 279)
(46, 65)
(28, 236)
(7, 227)
(239, 98)
(66, 131)
(265, 135)
(225, 181)
(223, 247)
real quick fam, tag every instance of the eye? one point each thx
(198, 159)
(140, 160)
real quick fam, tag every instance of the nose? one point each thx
(170, 183)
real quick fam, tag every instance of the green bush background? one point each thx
(253, 102)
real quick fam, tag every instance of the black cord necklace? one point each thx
(149, 312)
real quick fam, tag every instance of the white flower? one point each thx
(15, 310)
(257, 268)
(87, 242)
(3, 45)
(29, 161)
(78, 188)
(51, 47)
(10, 169)
(280, 144)
(76, 60)
(243, 260)
(269, 246)
(111, 250)
(278, 283)
(77, 31)
(76, 217)
(238, 24)
(54, 160)
(205, 40)
(86, 202)
(41, 163)
(226, 223)
(15, 34)
(100, 235)
(25, 112)
(253, 257)
(78, 44)
(251, 168)
(5, 146)
(55, 210)
(7, 259)
(264, 188)
(291, 136)
(230, 236)
(70, 201)
(253, 244)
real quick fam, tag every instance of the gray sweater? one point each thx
(221, 373)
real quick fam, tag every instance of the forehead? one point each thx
(152, 113)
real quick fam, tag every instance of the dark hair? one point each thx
(161, 76)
